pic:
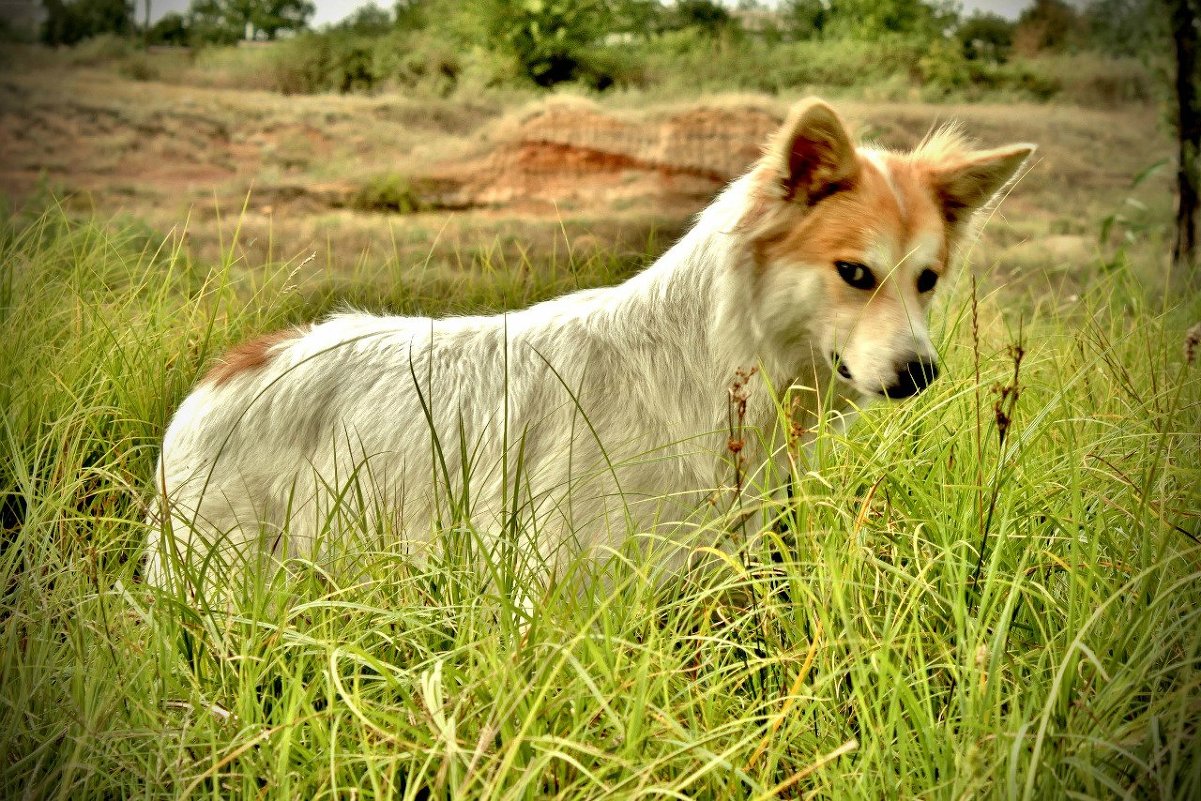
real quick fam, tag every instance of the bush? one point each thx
(417, 61)
(1048, 26)
(340, 61)
(1097, 81)
(138, 67)
(70, 23)
(171, 29)
(986, 37)
(103, 49)
(550, 41)
(690, 61)
(388, 192)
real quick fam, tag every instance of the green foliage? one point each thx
(705, 15)
(870, 20)
(106, 48)
(806, 19)
(226, 21)
(1048, 26)
(940, 611)
(68, 23)
(896, 49)
(138, 67)
(388, 192)
(171, 29)
(342, 61)
(686, 61)
(368, 20)
(1091, 79)
(551, 41)
(1127, 27)
(987, 37)
(413, 15)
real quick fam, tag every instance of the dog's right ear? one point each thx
(812, 153)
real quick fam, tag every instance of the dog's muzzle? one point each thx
(912, 379)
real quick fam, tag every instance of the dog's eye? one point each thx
(857, 275)
(927, 280)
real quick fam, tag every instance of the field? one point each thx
(990, 591)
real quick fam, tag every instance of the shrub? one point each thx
(1047, 26)
(415, 61)
(986, 37)
(103, 49)
(340, 61)
(171, 29)
(1093, 80)
(138, 67)
(551, 41)
(70, 23)
(388, 192)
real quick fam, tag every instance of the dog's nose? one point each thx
(912, 379)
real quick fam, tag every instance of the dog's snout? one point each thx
(912, 379)
(840, 365)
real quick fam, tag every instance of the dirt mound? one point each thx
(576, 157)
(146, 142)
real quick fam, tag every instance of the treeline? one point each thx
(605, 43)
(207, 22)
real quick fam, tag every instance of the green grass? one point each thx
(943, 612)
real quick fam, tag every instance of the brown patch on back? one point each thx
(249, 356)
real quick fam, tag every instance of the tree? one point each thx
(986, 37)
(69, 23)
(1127, 27)
(171, 29)
(704, 15)
(1185, 18)
(868, 19)
(368, 20)
(1047, 25)
(227, 21)
(806, 18)
(548, 39)
(415, 15)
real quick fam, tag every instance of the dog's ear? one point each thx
(970, 182)
(812, 153)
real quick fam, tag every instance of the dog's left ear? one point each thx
(971, 182)
(812, 153)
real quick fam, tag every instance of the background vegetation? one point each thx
(990, 591)
(928, 47)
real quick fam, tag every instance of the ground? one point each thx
(354, 178)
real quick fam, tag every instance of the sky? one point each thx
(334, 10)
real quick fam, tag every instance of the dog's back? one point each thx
(402, 426)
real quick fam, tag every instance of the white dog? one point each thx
(595, 416)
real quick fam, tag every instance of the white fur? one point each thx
(648, 363)
(591, 418)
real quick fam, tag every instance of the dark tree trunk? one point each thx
(1188, 127)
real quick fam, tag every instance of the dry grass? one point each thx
(288, 168)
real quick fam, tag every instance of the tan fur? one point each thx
(839, 228)
(249, 356)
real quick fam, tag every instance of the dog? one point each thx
(601, 415)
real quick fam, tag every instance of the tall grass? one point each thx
(993, 590)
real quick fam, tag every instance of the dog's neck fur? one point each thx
(695, 310)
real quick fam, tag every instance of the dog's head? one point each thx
(849, 244)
